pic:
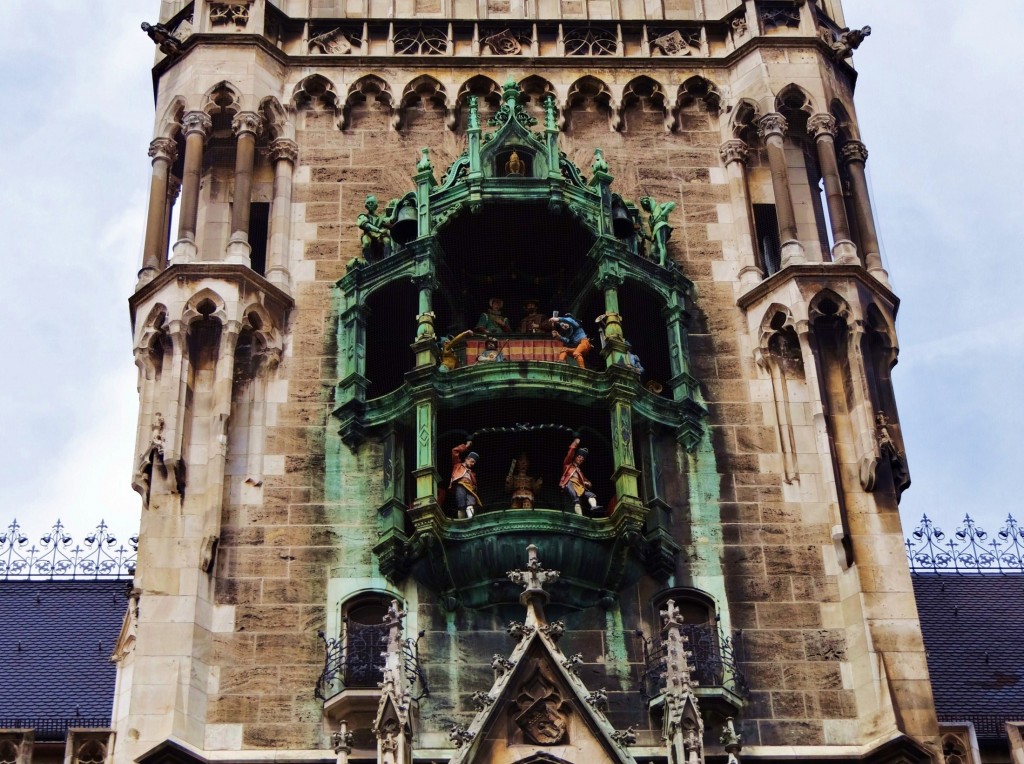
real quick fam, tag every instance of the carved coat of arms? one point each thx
(542, 710)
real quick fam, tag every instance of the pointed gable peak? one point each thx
(538, 709)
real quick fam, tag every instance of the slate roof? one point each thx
(56, 638)
(973, 627)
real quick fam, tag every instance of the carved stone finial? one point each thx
(820, 125)
(671, 615)
(598, 699)
(341, 739)
(196, 122)
(772, 124)
(165, 149)
(555, 630)
(734, 151)
(247, 122)
(473, 120)
(517, 630)
(459, 735)
(550, 114)
(535, 575)
(625, 737)
(573, 663)
(730, 740)
(854, 151)
(501, 665)
(482, 700)
(284, 150)
(599, 165)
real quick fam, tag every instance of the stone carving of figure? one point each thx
(464, 479)
(574, 483)
(568, 330)
(493, 321)
(533, 319)
(846, 41)
(375, 239)
(521, 485)
(660, 230)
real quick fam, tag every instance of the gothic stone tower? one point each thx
(682, 182)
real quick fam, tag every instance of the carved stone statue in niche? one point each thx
(541, 712)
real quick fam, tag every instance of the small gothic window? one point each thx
(364, 635)
(954, 751)
(91, 752)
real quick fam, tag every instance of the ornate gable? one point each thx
(538, 709)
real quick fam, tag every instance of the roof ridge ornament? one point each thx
(533, 579)
(511, 108)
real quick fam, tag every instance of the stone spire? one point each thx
(683, 728)
(392, 725)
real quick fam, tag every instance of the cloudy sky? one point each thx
(945, 172)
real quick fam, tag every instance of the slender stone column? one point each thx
(735, 154)
(772, 129)
(823, 128)
(196, 125)
(283, 152)
(173, 189)
(163, 152)
(247, 125)
(856, 154)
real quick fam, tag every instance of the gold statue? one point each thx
(514, 165)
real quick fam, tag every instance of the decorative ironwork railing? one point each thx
(56, 554)
(355, 660)
(969, 549)
(713, 661)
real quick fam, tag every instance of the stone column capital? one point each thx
(284, 150)
(173, 189)
(854, 151)
(822, 125)
(734, 151)
(772, 124)
(247, 122)
(196, 122)
(163, 149)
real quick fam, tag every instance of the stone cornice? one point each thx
(199, 271)
(508, 62)
(823, 271)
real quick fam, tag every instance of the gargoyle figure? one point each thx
(844, 42)
(161, 35)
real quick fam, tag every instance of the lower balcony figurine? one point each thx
(491, 353)
(520, 484)
(574, 483)
(463, 482)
